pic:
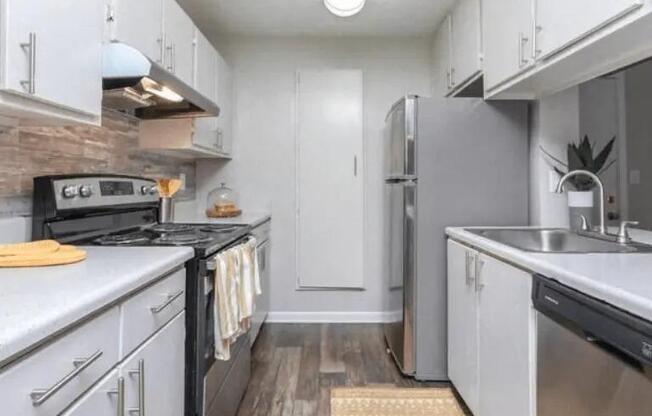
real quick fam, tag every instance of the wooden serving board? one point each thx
(63, 255)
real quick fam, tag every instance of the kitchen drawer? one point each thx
(149, 310)
(53, 369)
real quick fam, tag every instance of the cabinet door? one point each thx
(179, 35)
(463, 323)
(159, 365)
(466, 45)
(441, 82)
(205, 81)
(205, 67)
(54, 54)
(139, 24)
(101, 400)
(507, 340)
(563, 22)
(507, 28)
(225, 100)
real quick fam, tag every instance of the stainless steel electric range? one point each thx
(111, 210)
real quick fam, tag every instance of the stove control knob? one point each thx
(144, 190)
(70, 191)
(153, 190)
(85, 191)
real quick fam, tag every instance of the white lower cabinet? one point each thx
(84, 373)
(52, 377)
(491, 333)
(154, 373)
(463, 368)
(103, 400)
(506, 343)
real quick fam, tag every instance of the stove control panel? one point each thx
(103, 191)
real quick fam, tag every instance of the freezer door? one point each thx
(400, 157)
(400, 237)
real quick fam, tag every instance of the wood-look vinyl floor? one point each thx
(295, 365)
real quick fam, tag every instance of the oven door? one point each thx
(262, 301)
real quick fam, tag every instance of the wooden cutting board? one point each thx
(39, 254)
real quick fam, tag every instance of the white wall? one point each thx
(263, 169)
(555, 122)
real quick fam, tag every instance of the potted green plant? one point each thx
(582, 156)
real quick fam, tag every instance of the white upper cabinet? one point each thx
(442, 60)
(563, 22)
(139, 24)
(225, 100)
(51, 61)
(179, 37)
(507, 35)
(466, 42)
(205, 67)
(205, 81)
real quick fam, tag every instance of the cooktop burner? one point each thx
(216, 228)
(137, 237)
(182, 239)
(204, 238)
(171, 228)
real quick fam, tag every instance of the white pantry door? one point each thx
(330, 180)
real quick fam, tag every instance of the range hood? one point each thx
(133, 82)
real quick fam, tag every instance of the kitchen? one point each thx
(255, 221)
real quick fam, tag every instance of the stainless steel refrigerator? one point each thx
(448, 162)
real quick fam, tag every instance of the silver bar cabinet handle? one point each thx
(141, 388)
(168, 65)
(469, 278)
(120, 392)
(161, 50)
(40, 396)
(30, 47)
(170, 299)
(355, 165)
(174, 58)
(522, 40)
(479, 264)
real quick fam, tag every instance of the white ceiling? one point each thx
(310, 17)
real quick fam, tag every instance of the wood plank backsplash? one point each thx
(26, 152)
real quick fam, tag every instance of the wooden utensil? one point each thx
(168, 187)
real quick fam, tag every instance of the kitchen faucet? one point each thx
(601, 229)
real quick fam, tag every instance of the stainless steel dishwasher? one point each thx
(592, 359)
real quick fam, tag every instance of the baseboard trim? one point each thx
(332, 317)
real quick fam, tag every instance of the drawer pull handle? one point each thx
(40, 396)
(120, 392)
(170, 299)
(30, 47)
(140, 410)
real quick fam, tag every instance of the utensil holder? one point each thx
(166, 211)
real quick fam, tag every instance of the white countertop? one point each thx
(622, 280)
(38, 302)
(251, 218)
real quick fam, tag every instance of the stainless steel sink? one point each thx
(556, 241)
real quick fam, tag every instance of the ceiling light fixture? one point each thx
(344, 8)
